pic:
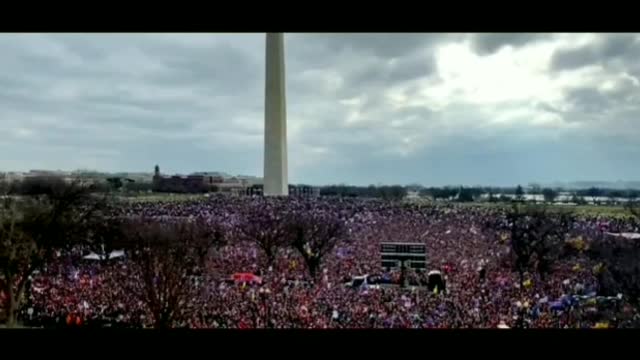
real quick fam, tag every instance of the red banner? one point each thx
(246, 278)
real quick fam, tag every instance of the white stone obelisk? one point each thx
(275, 120)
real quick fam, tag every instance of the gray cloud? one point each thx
(488, 43)
(384, 73)
(608, 48)
(547, 108)
(365, 61)
(589, 100)
(386, 46)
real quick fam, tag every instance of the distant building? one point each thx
(254, 190)
(304, 191)
(294, 190)
(198, 183)
(44, 175)
(178, 184)
(10, 177)
(251, 180)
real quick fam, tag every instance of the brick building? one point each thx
(198, 183)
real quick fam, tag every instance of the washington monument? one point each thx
(275, 119)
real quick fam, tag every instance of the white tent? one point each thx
(625, 235)
(92, 256)
(113, 255)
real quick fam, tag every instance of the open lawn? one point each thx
(606, 210)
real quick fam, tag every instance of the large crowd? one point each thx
(482, 288)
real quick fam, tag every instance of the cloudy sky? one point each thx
(362, 108)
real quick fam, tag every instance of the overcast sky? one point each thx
(362, 108)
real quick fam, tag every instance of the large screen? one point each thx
(394, 254)
(403, 248)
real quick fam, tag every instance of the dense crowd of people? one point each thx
(482, 288)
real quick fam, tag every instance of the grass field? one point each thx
(606, 210)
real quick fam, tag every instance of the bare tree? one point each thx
(105, 234)
(549, 195)
(314, 236)
(537, 234)
(620, 257)
(33, 226)
(267, 228)
(621, 266)
(594, 193)
(165, 258)
(634, 208)
(4, 187)
(519, 193)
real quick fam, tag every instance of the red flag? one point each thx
(70, 320)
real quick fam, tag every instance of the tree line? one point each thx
(387, 192)
(391, 192)
(30, 185)
(478, 193)
(496, 194)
